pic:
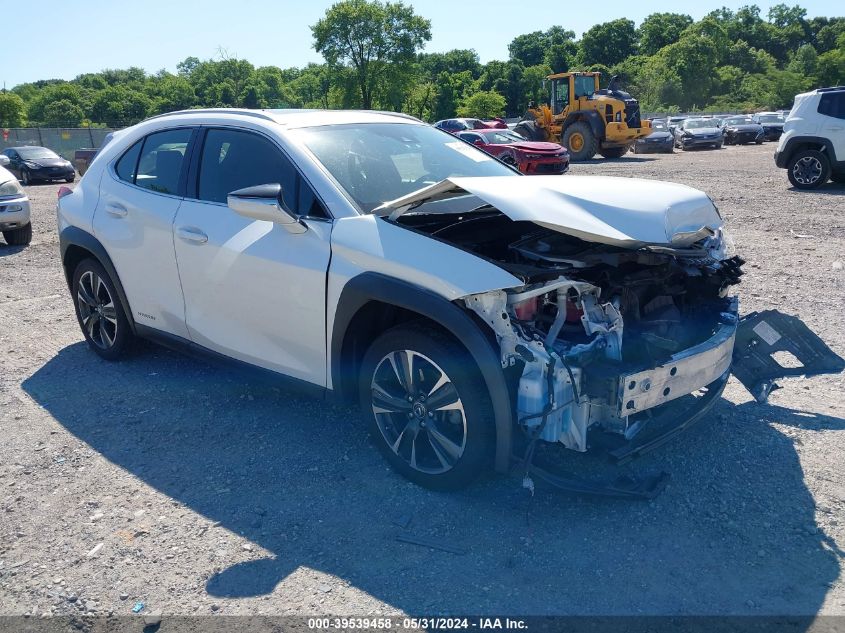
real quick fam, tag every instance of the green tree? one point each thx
(483, 105)
(171, 93)
(63, 91)
(805, 61)
(661, 29)
(454, 61)
(529, 49)
(63, 113)
(609, 43)
(12, 110)
(118, 105)
(369, 36)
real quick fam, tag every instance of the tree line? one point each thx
(729, 60)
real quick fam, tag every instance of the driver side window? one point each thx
(235, 159)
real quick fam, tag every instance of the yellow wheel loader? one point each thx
(585, 119)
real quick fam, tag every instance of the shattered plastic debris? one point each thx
(139, 606)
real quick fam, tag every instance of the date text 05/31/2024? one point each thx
(417, 624)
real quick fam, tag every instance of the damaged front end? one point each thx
(624, 346)
(606, 345)
(624, 331)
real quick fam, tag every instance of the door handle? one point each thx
(193, 235)
(117, 210)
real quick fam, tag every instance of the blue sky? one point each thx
(94, 34)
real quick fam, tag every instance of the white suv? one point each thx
(812, 147)
(470, 310)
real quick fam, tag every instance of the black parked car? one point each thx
(699, 132)
(772, 123)
(30, 163)
(739, 130)
(660, 140)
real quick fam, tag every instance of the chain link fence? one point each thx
(63, 141)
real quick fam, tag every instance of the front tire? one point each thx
(580, 141)
(19, 237)
(808, 169)
(25, 177)
(99, 312)
(427, 407)
(71, 179)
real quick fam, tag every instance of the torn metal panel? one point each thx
(763, 334)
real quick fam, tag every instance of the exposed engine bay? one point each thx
(598, 334)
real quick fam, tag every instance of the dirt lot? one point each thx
(168, 481)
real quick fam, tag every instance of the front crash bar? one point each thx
(689, 415)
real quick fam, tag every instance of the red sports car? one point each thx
(529, 157)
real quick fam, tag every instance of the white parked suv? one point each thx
(470, 310)
(14, 209)
(812, 147)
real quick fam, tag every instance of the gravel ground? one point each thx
(175, 483)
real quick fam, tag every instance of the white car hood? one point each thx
(627, 212)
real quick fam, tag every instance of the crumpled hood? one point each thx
(702, 131)
(627, 212)
(744, 127)
(536, 146)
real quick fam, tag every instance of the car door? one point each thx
(832, 107)
(253, 291)
(14, 162)
(139, 196)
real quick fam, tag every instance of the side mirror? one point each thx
(265, 202)
(4, 160)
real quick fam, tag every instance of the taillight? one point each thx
(526, 310)
(63, 191)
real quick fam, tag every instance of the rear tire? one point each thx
(19, 237)
(99, 312)
(427, 407)
(581, 136)
(808, 169)
(530, 130)
(25, 178)
(71, 179)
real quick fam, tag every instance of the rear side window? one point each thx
(125, 167)
(161, 160)
(234, 159)
(832, 104)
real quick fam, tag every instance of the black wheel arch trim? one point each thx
(783, 157)
(74, 236)
(368, 287)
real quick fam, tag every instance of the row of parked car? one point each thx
(710, 132)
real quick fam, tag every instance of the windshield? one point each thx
(658, 125)
(770, 118)
(693, 124)
(503, 137)
(378, 162)
(31, 153)
(739, 120)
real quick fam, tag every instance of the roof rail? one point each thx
(244, 111)
(831, 89)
